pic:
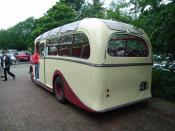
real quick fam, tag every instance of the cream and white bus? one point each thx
(96, 64)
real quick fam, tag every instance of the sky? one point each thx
(15, 11)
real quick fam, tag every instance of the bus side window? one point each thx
(52, 50)
(41, 49)
(80, 47)
(37, 46)
(65, 45)
(65, 51)
(52, 45)
(86, 51)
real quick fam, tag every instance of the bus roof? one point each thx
(112, 25)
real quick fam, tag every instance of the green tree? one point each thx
(159, 23)
(56, 16)
(75, 4)
(18, 36)
(95, 9)
(4, 39)
(116, 11)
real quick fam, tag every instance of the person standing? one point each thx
(6, 63)
(1, 70)
(35, 59)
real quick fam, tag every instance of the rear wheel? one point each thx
(59, 90)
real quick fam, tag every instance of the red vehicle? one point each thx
(23, 56)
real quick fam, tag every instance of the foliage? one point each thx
(91, 10)
(17, 37)
(159, 23)
(115, 12)
(54, 17)
(75, 4)
(163, 84)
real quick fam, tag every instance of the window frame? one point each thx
(50, 44)
(71, 44)
(61, 44)
(132, 35)
(83, 45)
(48, 48)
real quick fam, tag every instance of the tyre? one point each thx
(59, 90)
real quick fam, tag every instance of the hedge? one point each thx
(163, 84)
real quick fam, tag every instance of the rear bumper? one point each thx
(123, 105)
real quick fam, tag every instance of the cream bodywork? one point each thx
(92, 83)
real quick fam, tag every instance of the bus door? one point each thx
(42, 63)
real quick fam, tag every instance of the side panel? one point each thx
(92, 85)
(88, 83)
(51, 65)
(41, 70)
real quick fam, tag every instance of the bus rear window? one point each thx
(127, 46)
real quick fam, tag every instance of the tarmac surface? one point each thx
(25, 106)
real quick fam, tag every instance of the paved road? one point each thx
(26, 106)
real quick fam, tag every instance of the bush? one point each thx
(163, 84)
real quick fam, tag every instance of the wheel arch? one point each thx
(56, 74)
(69, 93)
